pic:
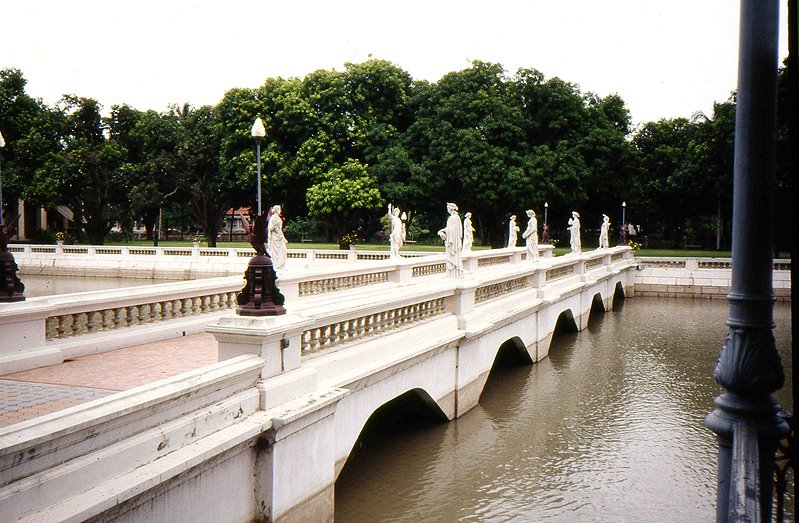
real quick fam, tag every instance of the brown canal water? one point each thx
(609, 427)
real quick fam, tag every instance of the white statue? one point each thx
(277, 243)
(574, 229)
(452, 236)
(530, 236)
(397, 236)
(468, 232)
(603, 232)
(513, 231)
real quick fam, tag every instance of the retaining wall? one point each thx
(699, 278)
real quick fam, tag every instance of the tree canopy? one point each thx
(340, 144)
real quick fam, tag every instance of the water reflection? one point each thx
(609, 427)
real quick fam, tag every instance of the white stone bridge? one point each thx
(263, 434)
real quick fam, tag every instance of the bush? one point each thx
(301, 228)
(42, 236)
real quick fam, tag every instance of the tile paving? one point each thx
(36, 392)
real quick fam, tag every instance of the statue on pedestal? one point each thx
(452, 235)
(11, 288)
(530, 236)
(397, 235)
(603, 232)
(468, 232)
(574, 230)
(513, 231)
(278, 246)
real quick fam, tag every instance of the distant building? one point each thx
(33, 218)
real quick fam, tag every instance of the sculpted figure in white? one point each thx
(468, 232)
(397, 236)
(603, 232)
(574, 229)
(452, 235)
(530, 236)
(277, 244)
(513, 232)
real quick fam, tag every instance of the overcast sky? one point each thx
(665, 58)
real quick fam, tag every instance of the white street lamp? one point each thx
(258, 132)
(546, 208)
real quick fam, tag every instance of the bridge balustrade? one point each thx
(33, 328)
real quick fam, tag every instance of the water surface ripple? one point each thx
(608, 428)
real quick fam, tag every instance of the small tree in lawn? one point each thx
(340, 193)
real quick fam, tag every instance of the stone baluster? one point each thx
(92, 323)
(120, 315)
(108, 319)
(133, 315)
(144, 313)
(65, 325)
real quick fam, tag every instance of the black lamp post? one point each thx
(260, 295)
(545, 234)
(258, 132)
(2, 144)
(746, 420)
(623, 232)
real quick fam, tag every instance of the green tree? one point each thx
(203, 186)
(32, 132)
(342, 192)
(90, 175)
(155, 139)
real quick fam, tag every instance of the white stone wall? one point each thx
(699, 278)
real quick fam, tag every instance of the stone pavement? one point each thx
(36, 392)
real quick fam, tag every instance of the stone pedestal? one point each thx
(275, 339)
(260, 295)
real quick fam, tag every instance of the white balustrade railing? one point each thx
(37, 322)
(485, 257)
(694, 263)
(330, 335)
(496, 290)
(355, 319)
(96, 311)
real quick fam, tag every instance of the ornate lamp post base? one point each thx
(260, 295)
(11, 288)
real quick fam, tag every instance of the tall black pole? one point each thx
(258, 155)
(792, 110)
(749, 366)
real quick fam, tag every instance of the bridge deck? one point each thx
(28, 394)
(44, 390)
(36, 392)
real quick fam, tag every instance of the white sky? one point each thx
(665, 58)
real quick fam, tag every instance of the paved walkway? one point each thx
(36, 392)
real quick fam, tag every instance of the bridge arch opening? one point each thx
(597, 308)
(510, 355)
(412, 411)
(565, 323)
(393, 432)
(618, 293)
